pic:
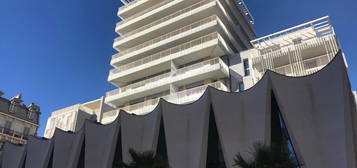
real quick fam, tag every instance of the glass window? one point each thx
(246, 67)
(7, 129)
(12, 108)
(30, 115)
(8, 125)
(241, 86)
(26, 131)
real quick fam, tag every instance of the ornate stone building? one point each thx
(17, 121)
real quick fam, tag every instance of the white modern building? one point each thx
(72, 118)
(174, 49)
(297, 51)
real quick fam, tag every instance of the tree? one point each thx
(264, 156)
(145, 160)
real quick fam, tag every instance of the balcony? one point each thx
(182, 97)
(12, 136)
(181, 34)
(134, 7)
(165, 25)
(109, 116)
(210, 69)
(211, 45)
(147, 10)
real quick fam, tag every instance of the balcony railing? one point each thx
(166, 36)
(165, 53)
(182, 11)
(185, 96)
(17, 136)
(166, 76)
(129, 4)
(317, 25)
(215, 61)
(145, 11)
(138, 84)
(176, 97)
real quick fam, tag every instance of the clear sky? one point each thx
(57, 52)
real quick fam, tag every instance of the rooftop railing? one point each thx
(165, 53)
(70, 108)
(166, 36)
(165, 76)
(182, 11)
(278, 50)
(144, 11)
(317, 25)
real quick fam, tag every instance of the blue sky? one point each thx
(57, 52)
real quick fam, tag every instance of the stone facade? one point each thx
(17, 122)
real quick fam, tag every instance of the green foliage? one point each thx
(264, 156)
(145, 160)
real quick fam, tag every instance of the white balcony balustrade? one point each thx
(214, 68)
(166, 36)
(166, 18)
(181, 97)
(165, 53)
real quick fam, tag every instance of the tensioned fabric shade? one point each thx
(38, 152)
(67, 148)
(13, 155)
(318, 110)
(141, 132)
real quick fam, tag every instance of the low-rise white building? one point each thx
(72, 118)
(297, 51)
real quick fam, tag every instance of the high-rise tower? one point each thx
(174, 49)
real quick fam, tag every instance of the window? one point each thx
(7, 129)
(246, 67)
(8, 125)
(26, 131)
(241, 86)
(30, 115)
(12, 108)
